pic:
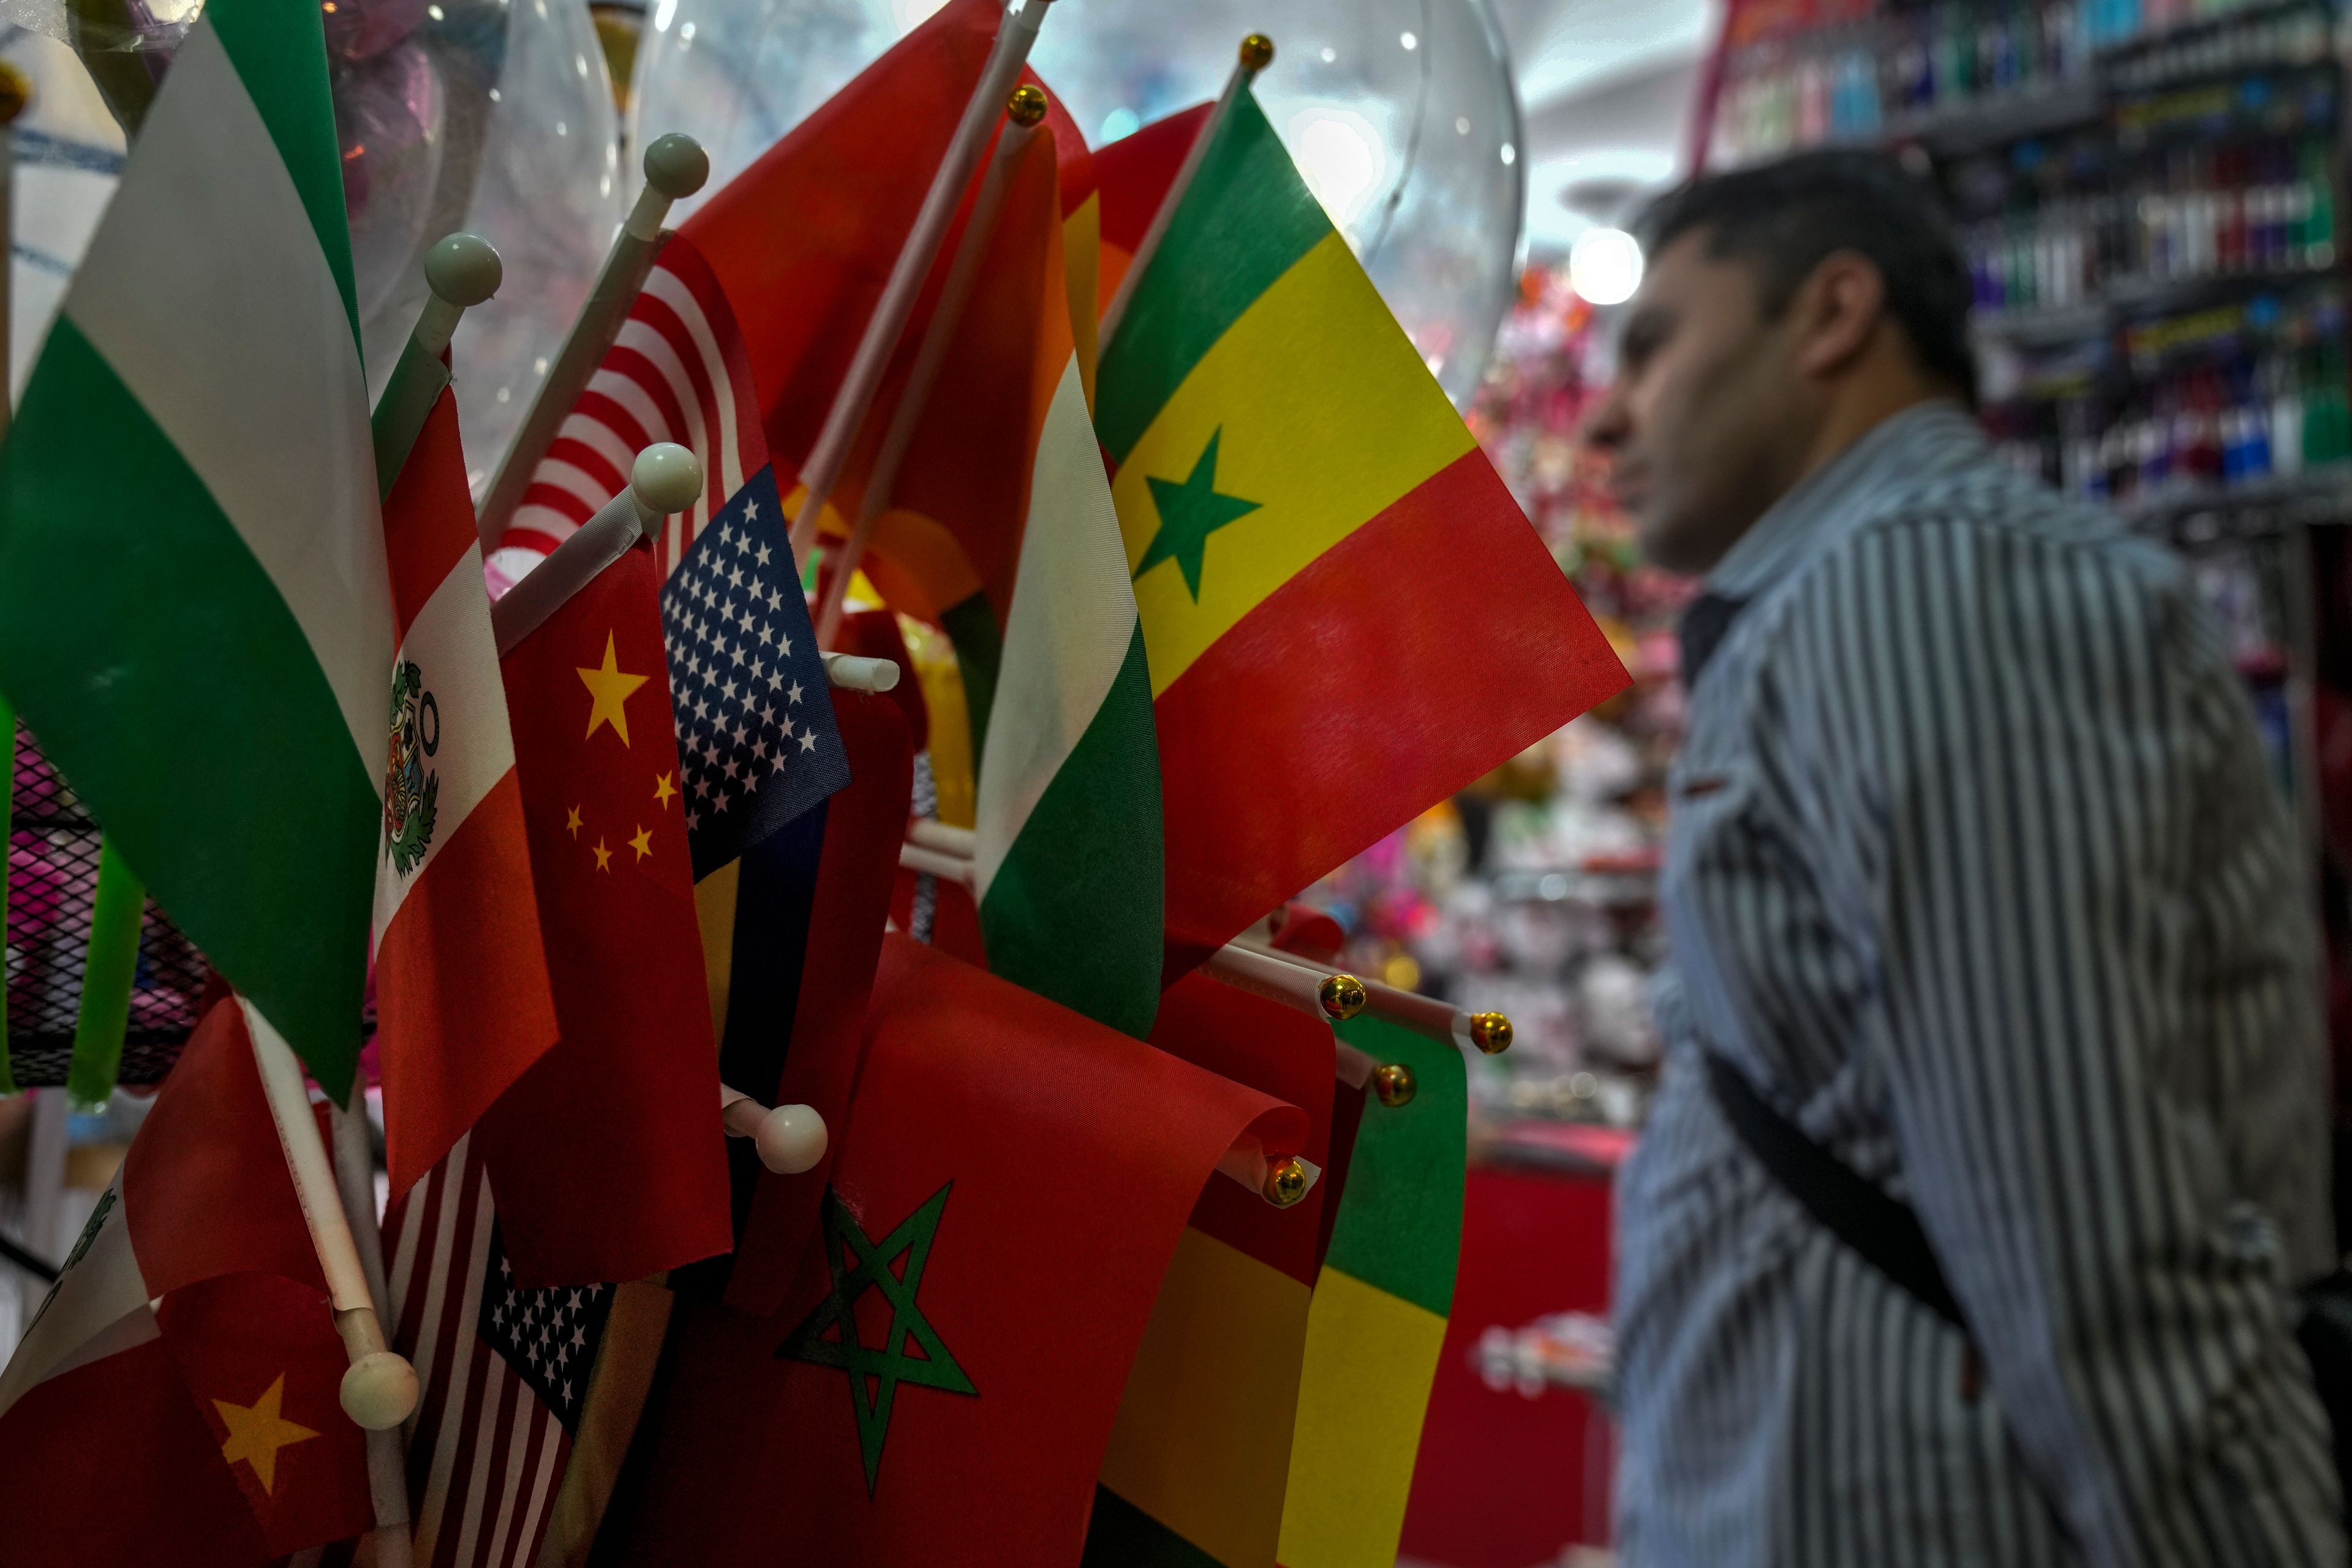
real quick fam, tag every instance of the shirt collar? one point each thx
(1923, 439)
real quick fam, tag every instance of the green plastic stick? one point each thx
(112, 964)
(7, 837)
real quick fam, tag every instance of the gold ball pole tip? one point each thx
(1394, 1084)
(1490, 1032)
(1285, 1182)
(1256, 53)
(15, 91)
(1342, 996)
(1026, 107)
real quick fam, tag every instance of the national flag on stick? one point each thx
(605, 1154)
(181, 1383)
(1315, 541)
(904, 1406)
(505, 1367)
(463, 1003)
(193, 612)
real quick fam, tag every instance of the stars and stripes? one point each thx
(677, 371)
(756, 740)
(505, 1371)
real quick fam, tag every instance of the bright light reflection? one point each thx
(1605, 265)
(1119, 122)
(1342, 157)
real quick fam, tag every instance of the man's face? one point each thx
(1707, 420)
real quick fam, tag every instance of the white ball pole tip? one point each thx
(666, 478)
(675, 166)
(379, 1391)
(792, 1140)
(464, 269)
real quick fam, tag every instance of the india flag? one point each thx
(1066, 854)
(194, 614)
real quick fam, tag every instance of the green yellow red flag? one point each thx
(1346, 617)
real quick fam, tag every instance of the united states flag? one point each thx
(756, 740)
(676, 372)
(504, 1372)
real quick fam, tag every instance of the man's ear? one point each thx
(1835, 312)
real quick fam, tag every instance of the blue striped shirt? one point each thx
(1977, 870)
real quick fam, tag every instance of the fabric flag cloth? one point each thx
(904, 1404)
(181, 1383)
(1132, 178)
(463, 1004)
(802, 242)
(1195, 1470)
(1067, 854)
(505, 1371)
(194, 614)
(606, 1153)
(1382, 1297)
(676, 372)
(756, 741)
(1317, 547)
(791, 981)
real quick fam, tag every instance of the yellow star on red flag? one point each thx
(608, 691)
(257, 1431)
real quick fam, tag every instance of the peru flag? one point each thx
(462, 1002)
(177, 1394)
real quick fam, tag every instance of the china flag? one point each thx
(606, 1155)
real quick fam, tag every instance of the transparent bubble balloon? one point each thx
(1400, 113)
(490, 115)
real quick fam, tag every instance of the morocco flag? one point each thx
(177, 1394)
(1346, 616)
(939, 1384)
(606, 1154)
(462, 997)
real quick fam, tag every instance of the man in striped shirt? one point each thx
(1978, 875)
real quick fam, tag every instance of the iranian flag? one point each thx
(1067, 850)
(193, 615)
(462, 1002)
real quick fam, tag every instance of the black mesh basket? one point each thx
(53, 847)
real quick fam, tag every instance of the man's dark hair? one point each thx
(1780, 219)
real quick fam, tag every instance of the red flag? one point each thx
(606, 1155)
(1132, 177)
(804, 240)
(462, 999)
(940, 1382)
(181, 1383)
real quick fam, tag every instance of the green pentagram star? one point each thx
(1189, 513)
(876, 1372)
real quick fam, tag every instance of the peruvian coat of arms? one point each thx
(410, 787)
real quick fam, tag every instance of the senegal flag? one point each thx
(1345, 615)
(194, 616)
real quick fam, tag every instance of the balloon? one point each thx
(1400, 113)
(490, 115)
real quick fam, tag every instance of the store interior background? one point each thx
(2147, 193)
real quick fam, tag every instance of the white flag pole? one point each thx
(821, 473)
(665, 478)
(1024, 112)
(461, 270)
(380, 1387)
(1256, 53)
(676, 167)
(15, 97)
(355, 1184)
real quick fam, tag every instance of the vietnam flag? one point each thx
(1346, 616)
(462, 999)
(606, 1155)
(177, 1395)
(939, 1384)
